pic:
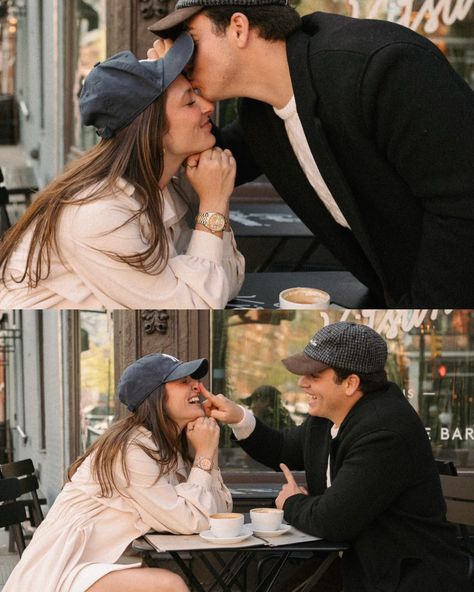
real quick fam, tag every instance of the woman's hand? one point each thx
(203, 435)
(212, 175)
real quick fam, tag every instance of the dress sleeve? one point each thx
(206, 274)
(182, 508)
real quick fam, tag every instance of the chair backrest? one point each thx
(459, 496)
(18, 468)
(24, 471)
(446, 467)
(12, 513)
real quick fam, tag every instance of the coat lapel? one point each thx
(272, 150)
(307, 102)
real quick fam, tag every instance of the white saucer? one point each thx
(245, 533)
(270, 533)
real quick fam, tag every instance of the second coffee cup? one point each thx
(268, 519)
(226, 524)
(308, 298)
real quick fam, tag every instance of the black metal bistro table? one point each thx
(261, 290)
(277, 228)
(227, 564)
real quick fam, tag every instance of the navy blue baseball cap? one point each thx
(118, 89)
(172, 24)
(145, 375)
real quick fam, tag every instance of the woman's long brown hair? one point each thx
(113, 444)
(134, 153)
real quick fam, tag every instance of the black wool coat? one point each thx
(385, 496)
(391, 127)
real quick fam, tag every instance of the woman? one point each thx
(111, 232)
(154, 470)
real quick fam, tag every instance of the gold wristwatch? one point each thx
(204, 463)
(214, 221)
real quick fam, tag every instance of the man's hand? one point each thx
(160, 47)
(220, 407)
(290, 488)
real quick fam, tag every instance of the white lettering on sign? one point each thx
(430, 15)
(392, 321)
(457, 434)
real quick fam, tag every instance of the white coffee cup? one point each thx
(266, 518)
(226, 524)
(308, 298)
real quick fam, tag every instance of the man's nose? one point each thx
(195, 385)
(303, 381)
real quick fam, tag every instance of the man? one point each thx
(363, 128)
(371, 477)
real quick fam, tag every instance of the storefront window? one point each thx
(97, 396)
(431, 358)
(89, 48)
(449, 24)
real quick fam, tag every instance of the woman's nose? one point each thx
(207, 107)
(195, 385)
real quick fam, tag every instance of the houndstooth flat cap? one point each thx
(348, 346)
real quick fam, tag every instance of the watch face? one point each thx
(205, 463)
(216, 222)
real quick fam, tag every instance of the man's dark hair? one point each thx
(275, 23)
(369, 382)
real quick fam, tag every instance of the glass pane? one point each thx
(449, 25)
(89, 36)
(97, 402)
(431, 358)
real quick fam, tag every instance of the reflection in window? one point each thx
(449, 24)
(97, 402)
(431, 358)
(89, 48)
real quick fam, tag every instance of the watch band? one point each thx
(203, 462)
(214, 221)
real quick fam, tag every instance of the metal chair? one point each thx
(458, 493)
(448, 468)
(24, 471)
(12, 512)
(4, 200)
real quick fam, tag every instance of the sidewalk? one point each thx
(7, 560)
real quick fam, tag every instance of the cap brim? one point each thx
(302, 364)
(172, 24)
(194, 368)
